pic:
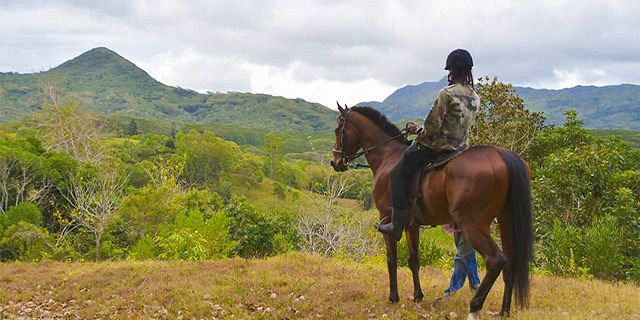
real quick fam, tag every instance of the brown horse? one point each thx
(471, 190)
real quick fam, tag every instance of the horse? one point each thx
(481, 184)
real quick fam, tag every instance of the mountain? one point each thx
(106, 83)
(608, 107)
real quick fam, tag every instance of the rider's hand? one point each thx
(413, 128)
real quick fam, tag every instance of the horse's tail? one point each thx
(518, 207)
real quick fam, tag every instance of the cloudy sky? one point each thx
(330, 50)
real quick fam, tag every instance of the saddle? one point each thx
(415, 184)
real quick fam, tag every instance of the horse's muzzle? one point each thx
(337, 167)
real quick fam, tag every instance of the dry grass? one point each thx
(291, 286)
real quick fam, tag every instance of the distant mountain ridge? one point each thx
(608, 107)
(104, 82)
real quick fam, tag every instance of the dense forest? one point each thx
(80, 186)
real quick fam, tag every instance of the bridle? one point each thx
(347, 158)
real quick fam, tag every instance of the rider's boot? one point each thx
(394, 228)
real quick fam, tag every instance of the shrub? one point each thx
(27, 242)
(65, 253)
(191, 237)
(25, 211)
(429, 252)
(596, 250)
(147, 210)
(144, 249)
(258, 235)
(182, 245)
(603, 247)
(108, 251)
(207, 202)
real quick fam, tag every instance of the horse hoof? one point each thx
(504, 315)
(394, 299)
(418, 297)
(473, 316)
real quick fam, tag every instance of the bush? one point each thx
(207, 202)
(144, 249)
(65, 253)
(182, 245)
(108, 251)
(596, 250)
(429, 252)
(147, 210)
(191, 237)
(258, 235)
(25, 211)
(604, 243)
(26, 242)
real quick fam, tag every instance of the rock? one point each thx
(273, 295)
(453, 315)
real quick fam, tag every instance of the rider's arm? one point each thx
(433, 122)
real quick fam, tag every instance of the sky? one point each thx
(328, 50)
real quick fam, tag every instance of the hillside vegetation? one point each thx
(104, 82)
(258, 208)
(292, 286)
(608, 107)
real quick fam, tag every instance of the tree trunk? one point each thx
(98, 237)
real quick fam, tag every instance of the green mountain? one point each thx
(104, 82)
(608, 107)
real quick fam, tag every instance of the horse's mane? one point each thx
(381, 121)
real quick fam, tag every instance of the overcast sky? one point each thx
(330, 50)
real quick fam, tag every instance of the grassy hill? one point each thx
(608, 107)
(292, 286)
(106, 83)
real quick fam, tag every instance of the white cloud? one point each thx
(201, 71)
(316, 49)
(282, 82)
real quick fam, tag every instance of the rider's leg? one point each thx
(412, 160)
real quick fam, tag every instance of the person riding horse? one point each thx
(445, 129)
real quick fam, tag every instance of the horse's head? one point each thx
(344, 148)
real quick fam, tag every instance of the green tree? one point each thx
(26, 212)
(206, 156)
(503, 119)
(132, 128)
(272, 149)
(585, 197)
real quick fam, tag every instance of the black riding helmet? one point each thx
(459, 58)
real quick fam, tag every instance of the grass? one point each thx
(294, 285)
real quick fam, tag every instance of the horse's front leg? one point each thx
(392, 267)
(413, 244)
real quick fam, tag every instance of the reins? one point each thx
(348, 158)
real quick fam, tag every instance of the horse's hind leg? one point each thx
(480, 239)
(392, 268)
(413, 244)
(507, 274)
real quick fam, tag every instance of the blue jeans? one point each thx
(464, 265)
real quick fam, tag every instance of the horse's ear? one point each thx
(346, 108)
(340, 108)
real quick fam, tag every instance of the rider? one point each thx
(445, 129)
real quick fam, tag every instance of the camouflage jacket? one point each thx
(447, 125)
